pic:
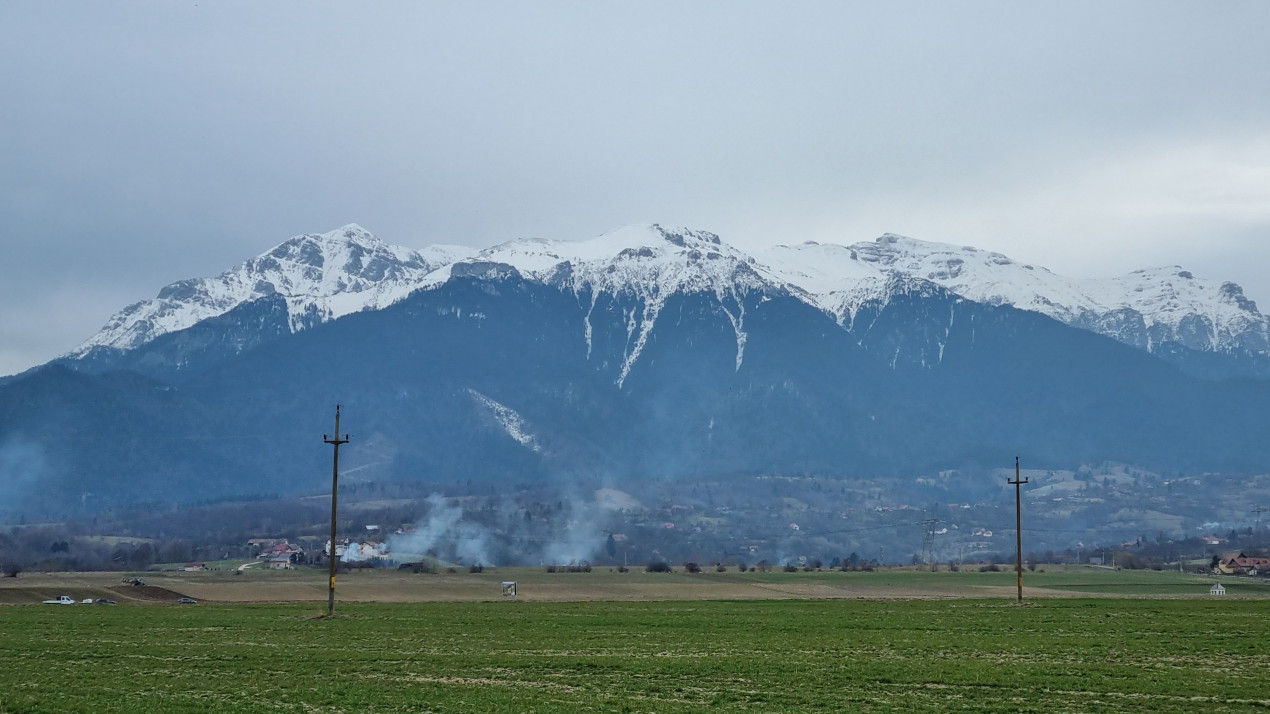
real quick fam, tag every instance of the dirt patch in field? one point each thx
(79, 592)
(148, 593)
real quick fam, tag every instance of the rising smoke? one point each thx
(443, 532)
(23, 466)
(570, 531)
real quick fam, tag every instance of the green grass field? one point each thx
(1053, 579)
(1077, 655)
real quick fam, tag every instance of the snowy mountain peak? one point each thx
(321, 276)
(913, 255)
(312, 249)
(1146, 308)
(348, 259)
(639, 258)
(646, 262)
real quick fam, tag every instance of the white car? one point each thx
(61, 600)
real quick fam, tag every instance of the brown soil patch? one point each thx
(148, 593)
(35, 588)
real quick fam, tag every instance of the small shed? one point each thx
(509, 588)
(1217, 589)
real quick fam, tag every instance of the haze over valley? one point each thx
(532, 401)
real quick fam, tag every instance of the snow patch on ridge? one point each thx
(509, 419)
(738, 327)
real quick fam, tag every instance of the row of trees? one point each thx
(52, 548)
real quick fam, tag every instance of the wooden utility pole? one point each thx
(335, 489)
(1018, 525)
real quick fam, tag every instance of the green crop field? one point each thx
(1055, 580)
(1078, 655)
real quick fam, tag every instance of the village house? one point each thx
(341, 547)
(364, 551)
(1236, 563)
(291, 552)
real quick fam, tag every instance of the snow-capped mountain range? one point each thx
(1146, 308)
(644, 353)
(326, 276)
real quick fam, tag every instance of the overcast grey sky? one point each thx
(145, 142)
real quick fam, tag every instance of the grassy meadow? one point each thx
(798, 655)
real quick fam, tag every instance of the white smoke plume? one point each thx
(22, 467)
(573, 534)
(581, 538)
(444, 528)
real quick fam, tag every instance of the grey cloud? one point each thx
(148, 142)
